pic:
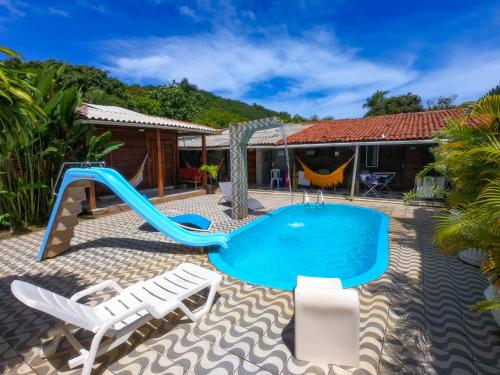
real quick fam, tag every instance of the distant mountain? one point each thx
(179, 100)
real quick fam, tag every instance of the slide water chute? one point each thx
(63, 218)
(327, 180)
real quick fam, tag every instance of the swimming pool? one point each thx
(331, 240)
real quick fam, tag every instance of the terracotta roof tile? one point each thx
(403, 126)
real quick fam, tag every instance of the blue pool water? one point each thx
(333, 240)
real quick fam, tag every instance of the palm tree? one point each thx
(375, 102)
(18, 110)
(469, 156)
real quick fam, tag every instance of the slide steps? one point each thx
(66, 219)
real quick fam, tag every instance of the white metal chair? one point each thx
(275, 177)
(115, 320)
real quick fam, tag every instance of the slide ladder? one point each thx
(59, 237)
(63, 219)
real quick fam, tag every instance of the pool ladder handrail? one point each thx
(305, 197)
(319, 195)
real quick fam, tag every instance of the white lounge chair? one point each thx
(227, 195)
(116, 319)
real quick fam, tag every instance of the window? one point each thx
(372, 156)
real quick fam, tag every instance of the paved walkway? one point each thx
(415, 318)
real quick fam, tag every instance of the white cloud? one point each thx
(94, 5)
(321, 77)
(57, 12)
(187, 11)
(15, 8)
(468, 74)
(231, 65)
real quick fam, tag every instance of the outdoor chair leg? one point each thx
(91, 354)
(49, 349)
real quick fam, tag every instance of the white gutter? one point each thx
(319, 145)
(178, 128)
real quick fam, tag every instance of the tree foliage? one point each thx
(494, 91)
(179, 100)
(41, 133)
(379, 104)
(442, 102)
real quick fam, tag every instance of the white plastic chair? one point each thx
(227, 195)
(116, 319)
(275, 177)
(302, 181)
(326, 321)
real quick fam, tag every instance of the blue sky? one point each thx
(307, 57)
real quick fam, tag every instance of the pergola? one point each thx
(239, 135)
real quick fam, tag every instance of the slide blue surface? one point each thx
(115, 181)
(192, 221)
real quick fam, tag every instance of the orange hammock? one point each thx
(332, 179)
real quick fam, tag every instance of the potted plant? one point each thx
(212, 170)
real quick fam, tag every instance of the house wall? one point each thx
(128, 158)
(405, 160)
(326, 159)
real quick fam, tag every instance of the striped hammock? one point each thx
(327, 180)
(139, 175)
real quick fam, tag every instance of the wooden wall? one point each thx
(128, 158)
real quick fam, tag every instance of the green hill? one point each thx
(179, 100)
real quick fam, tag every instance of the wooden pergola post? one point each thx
(355, 171)
(159, 163)
(92, 198)
(204, 157)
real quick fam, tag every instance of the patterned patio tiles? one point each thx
(250, 329)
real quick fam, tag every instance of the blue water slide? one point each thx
(115, 181)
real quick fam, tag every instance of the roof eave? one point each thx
(179, 129)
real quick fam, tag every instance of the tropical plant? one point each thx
(42, 132)
(414, 195)
(375, 103)
(100, 146)
(18, 109)
(469, 156)
(494, 91)
(212, 170)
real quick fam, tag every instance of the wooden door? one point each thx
(252, 167)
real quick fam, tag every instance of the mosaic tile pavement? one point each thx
(415, 319)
